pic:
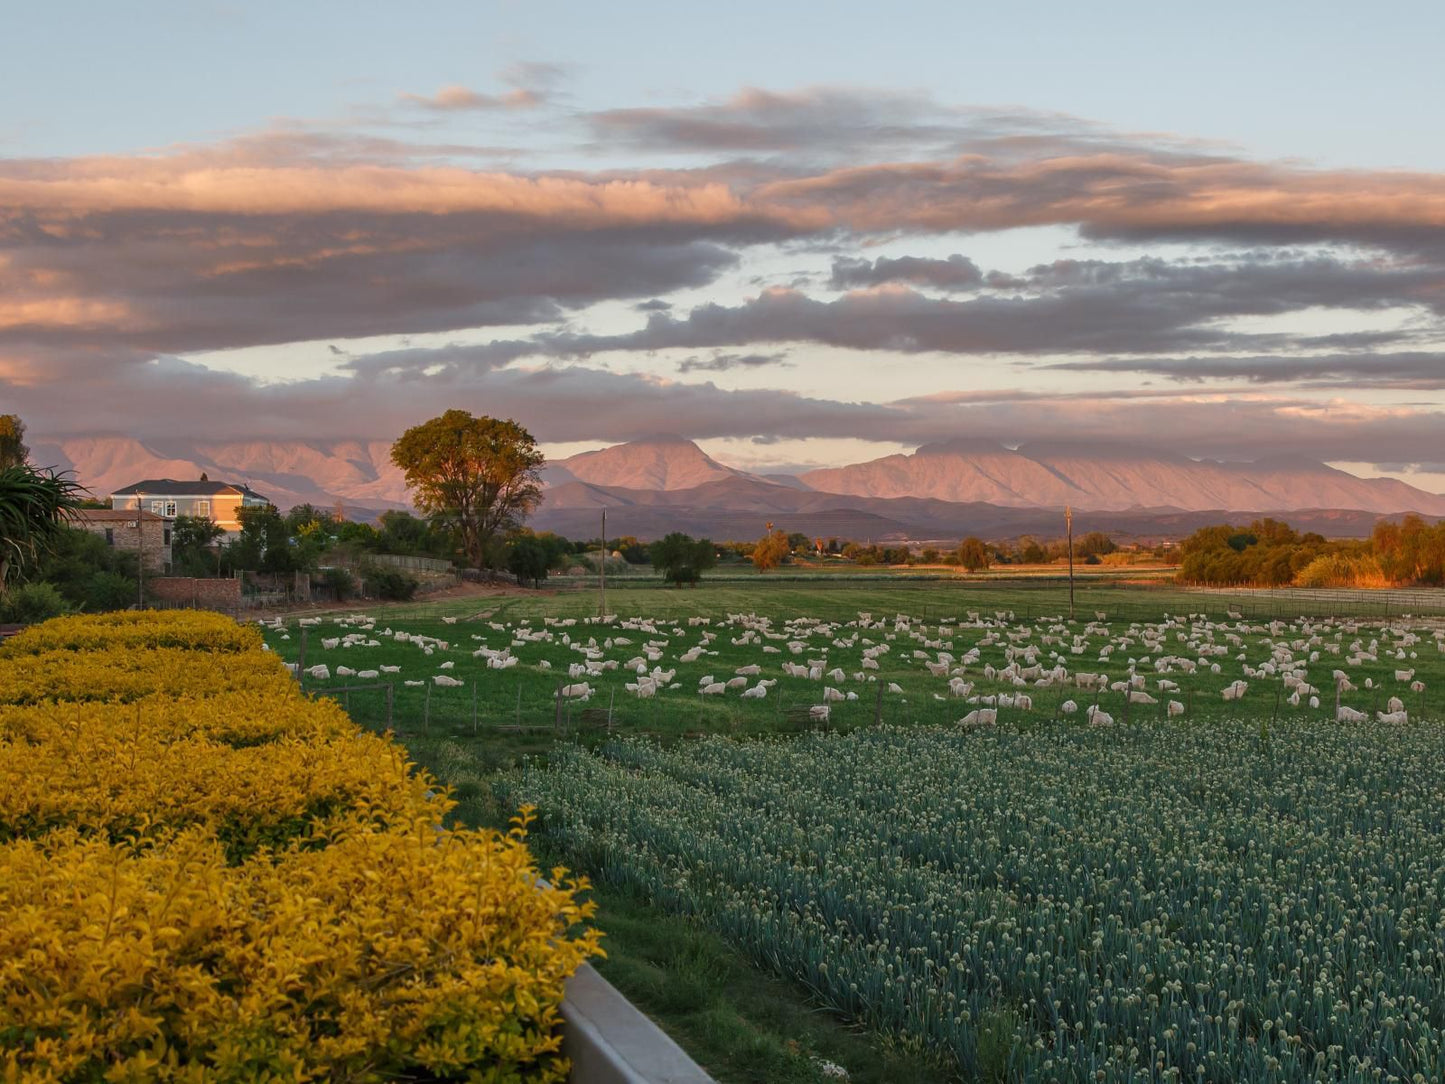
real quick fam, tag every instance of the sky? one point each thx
(801, 234)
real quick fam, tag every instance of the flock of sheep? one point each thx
(988, 663)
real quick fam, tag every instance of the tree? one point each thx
(477, 474)
(681, 559)
(528, 559)
(88, 574)
(973, 554)
(36, 507)
(265, 544)
(771, 550)
(191, 540)
(13, 452)
(1095, 544)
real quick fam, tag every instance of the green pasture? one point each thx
(518, 708)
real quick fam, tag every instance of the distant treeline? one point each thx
(1269, 553)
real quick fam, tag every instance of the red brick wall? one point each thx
(189, 591)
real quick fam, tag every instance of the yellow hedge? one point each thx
(380, 957)
(206, 876)
(106, 779)
(194, 630)
(121, 673)
(240, 717)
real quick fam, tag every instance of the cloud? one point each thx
(838, 122)
(165, 397)
(457, 98)
(721, 363)
(1419, 370)
(533, 84)
(955, 273)
(111, 266)
(1146, 306)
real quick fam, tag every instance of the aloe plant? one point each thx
(35, 506)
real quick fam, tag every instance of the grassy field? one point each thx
(884, 641)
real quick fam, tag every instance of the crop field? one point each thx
(1183, 837)
(1078, 904)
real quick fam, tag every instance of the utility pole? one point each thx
(602, 570)
(140, 572)
(1069, 526)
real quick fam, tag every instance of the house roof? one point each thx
(169, 487)
(113, 515)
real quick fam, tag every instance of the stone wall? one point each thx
(203, 594)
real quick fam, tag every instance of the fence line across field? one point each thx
(455, 711)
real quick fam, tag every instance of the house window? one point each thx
(167, 534)
(110, 536)
(170, 508)
(203, 508)
(158, 507)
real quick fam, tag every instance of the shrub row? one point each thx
(208, 877)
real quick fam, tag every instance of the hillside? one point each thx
(941, 491)
(1116, 478)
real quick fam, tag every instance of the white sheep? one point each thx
(447, 682)
(1399, 718)
(1346, 714)
(1174, 708)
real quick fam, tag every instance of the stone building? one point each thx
(150, 537)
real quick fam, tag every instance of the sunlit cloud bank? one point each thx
(867, 207)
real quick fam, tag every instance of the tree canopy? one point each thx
(771, 550)
(478, 475)
(973, 554)
(13, 452)
(682, 559)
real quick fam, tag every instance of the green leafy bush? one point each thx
(29, 603)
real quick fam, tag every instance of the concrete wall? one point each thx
(203, 594)
(610, 1042)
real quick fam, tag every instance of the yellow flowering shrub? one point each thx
(128, 673)
(207, 876)
(113, 780)
(194, 630)
(240, 717)
(383, 956)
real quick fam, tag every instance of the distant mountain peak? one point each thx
(662, 462)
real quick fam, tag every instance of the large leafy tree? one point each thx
(772, 549)
(36, 507)
(973, 554)
(478, 475)
(682, 559)
(13, 452)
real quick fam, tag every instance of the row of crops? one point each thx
(206, 876)
(1163, 902)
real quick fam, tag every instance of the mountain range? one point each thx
(941, 491)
